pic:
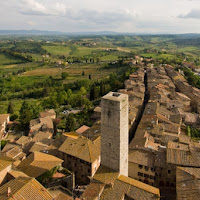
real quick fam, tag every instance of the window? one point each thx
(140, 174)
(152, 169)
(146, 175)
(151, 177)
(140, 166)
(146, 168)
(169, 171)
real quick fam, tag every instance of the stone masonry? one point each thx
(114, 129)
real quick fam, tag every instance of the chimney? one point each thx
(9, 191)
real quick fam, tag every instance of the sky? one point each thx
(134, 16)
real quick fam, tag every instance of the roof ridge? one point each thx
(141, 185)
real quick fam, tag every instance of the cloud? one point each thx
(194, 14)
(32, 7)
(105, 17)
(87, 16)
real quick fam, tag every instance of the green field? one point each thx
(72, 50)
(158, 56)
(17, 105)
(8, 60)
(79, 57)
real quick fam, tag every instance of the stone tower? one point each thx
(114, 132)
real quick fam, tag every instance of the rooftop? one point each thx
(5, 162)
(187, 183)
(38, 163)
(47, 113)
(82, 129)
(81, 148)
(125, 187)
(141, 157)
(24, 188)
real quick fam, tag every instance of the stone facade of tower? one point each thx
(114, 132)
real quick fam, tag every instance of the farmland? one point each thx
(40, 70)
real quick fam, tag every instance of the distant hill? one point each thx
(29, 32)
(39, 32)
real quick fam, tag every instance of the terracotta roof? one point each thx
(105, 175)
(93, 132)
(127, 187)
(41, 135)
(72, 134)
(5, 162)
(16, 174)
(38, 163)
(81, 148)
(9, 146)
(47, 113)
(171, 128)
(182, 155)
(47, 121)
(58, 175)
(37, 124)
(38, 146)
(15, 153)
(151, 108)
(176, 118)
(187, 183)
(138, 143)
(24, 188)
(93, 191)
(82, 129)
(141, 157)
(23, 140)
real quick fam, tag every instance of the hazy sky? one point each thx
(155, 16)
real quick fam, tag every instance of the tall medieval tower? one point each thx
(114, 132)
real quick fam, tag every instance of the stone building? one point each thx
(141, 166)
(111, 180)
(114, 140)
(81, 156)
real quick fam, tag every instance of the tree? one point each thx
(64, 75)
(82, 91)
(70, 123)
(27, 112)
(69, 93)
(94, 93)
(25, 116)
(102, 88)
(10, 108)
